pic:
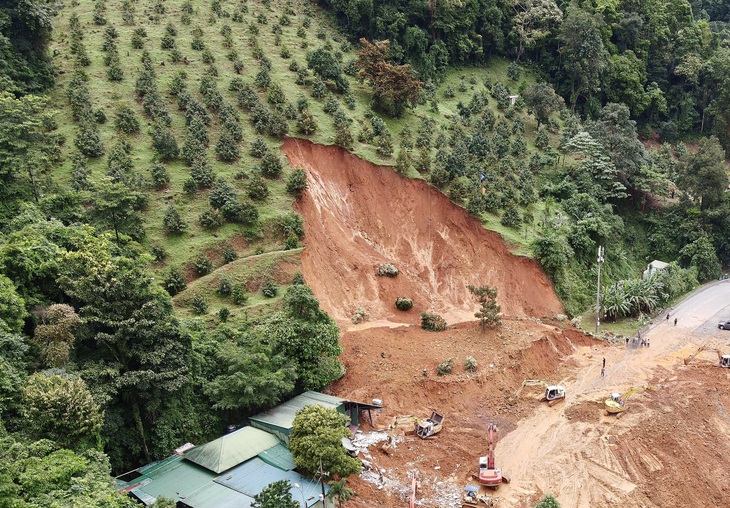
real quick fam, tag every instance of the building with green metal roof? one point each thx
(279, 420)
(232, 449)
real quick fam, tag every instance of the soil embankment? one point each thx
(358, 216)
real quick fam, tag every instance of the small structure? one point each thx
(279, 420)
(654, 266)
(513, 99)
(232, 449)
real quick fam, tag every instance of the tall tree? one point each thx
(394, 86)
(583, 54)
(704, 174)
(542, 101)
(115, 206)
(616, 131)
(134, 354)
(61, 408)
(23, 151)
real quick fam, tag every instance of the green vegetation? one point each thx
(141, 162)
(317, 436)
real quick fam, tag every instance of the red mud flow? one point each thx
(358, 215)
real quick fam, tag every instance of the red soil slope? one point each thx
(358, 215)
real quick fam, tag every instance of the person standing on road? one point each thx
(667, 317)
(675, 321)
(604, 363)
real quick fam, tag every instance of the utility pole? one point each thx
(598, 288)
(322, 474)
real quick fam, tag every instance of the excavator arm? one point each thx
(530, 382)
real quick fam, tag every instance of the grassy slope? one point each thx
(111, 95)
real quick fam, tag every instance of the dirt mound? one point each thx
(359, 216)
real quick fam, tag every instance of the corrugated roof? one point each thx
(283, 415)
(214, 495)
(278, 456)
(254, 475)
(232, 449)
(173, 477)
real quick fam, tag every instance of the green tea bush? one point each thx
(202, 265)
(199, 304)
(470, 364)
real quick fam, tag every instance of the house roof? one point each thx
(253, 476)
(283, 415)
(278, 456)
(174, 478)
(214, 495)
(232, 449)
(658, 264)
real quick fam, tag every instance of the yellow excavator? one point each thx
(616, 404)
(724, 360)
(553, 393)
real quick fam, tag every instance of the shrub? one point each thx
(359, 315)
(241, 213)
(403, 303)
(306, 122)
(227, 149)
(229, 254)
(202, 173)
(160, 176)
(225, 286)
(259, 148)
(210, 219)
(269, 289)
(223, 314)
(164, 143)
(202, 265)
(199, 304)
(125, 120)
(158, 252)
(387, 270)
(297, 182)
(174, 281)
(172, 222)
(445, 367)
(257, 188)
(432, 322)
(470, 364)
(271, 165)
(238, 295)
(88, 141)
(221, 193)
(291, 223)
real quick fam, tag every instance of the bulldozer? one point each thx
(616, 404)
(553, 393)
(422, 427)
(429, 426)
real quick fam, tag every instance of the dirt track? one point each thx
(669, 440)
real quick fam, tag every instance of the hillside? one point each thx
(196, 198)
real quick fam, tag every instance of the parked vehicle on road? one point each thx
(724, 325)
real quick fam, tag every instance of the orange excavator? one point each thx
(489, 475)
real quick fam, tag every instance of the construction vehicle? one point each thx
(423, 428)
(553, 393)
(429, 426)
(724, 360)
(472, 496)
(616, 404)
(489, 475)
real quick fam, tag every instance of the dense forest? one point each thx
(139, 165)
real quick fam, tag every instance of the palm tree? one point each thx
(339, 492)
